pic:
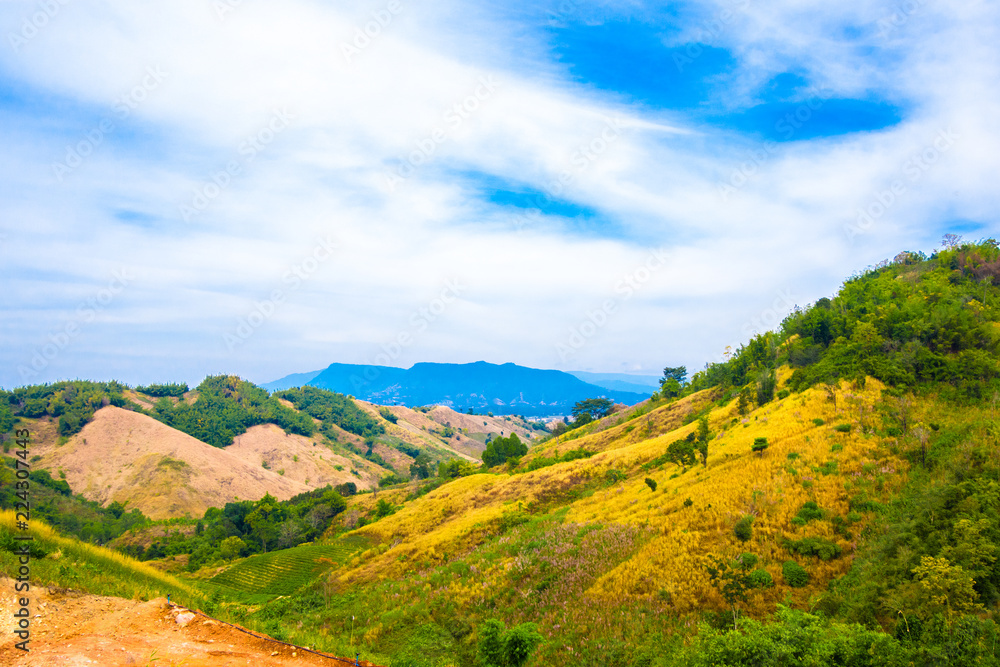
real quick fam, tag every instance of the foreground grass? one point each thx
(68, 563)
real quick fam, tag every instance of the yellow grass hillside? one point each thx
(68, 562)
(689, 516)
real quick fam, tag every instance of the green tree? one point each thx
(383, 508)
(421, 466)
(682, 452)
(499, 450)
(7, 419)
(676, 373)
(759, 445)
(520, 642)
(455, 468)
(743, 404)
(499, 647)
(744, 529)
(672, 382)
(491, 643)
(733, 579)
(767, 382)
(702, 439)
(945, 589)
(231, 547)
(264, 519)
(596, 408)
(795, 575)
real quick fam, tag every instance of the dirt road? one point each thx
(70, 629)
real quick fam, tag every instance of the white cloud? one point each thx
(325, 175)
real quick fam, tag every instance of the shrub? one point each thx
(499, 450)
(499, 647)
(520, 642)
(162, 390)
(651, 483)
(743, 529)
(842, 428)
(815, 546)
(384, 508)
(391, 479)
(818, 421)
(810, 511)
(783, 394)
(688, 502)
(761, 579)
(455, 468)
(613, 476)
(795, 575)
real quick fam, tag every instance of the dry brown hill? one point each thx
(302, 459)
(427, 429)
(415, 428)
(129, 457)
(481, 424)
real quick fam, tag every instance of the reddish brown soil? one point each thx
(70, 628)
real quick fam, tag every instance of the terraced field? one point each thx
(283, 572)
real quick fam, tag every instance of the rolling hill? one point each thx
(831, 489)
(133, 459)
(827, 495)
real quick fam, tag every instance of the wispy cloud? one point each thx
(521, 189)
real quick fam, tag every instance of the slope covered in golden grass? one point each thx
(688, 517)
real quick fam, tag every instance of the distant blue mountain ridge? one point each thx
(481, 386)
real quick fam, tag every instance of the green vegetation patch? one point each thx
(285, 571)
(226, 407)
(333, 408)
(814, 546)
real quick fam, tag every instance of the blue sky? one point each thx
(197, 187)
